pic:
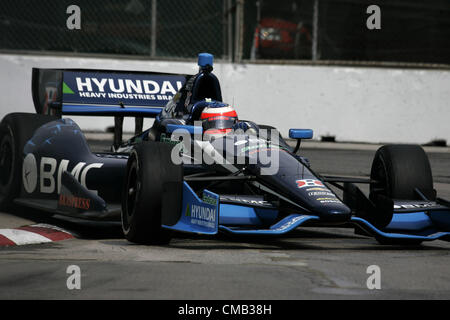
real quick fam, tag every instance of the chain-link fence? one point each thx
(155, 28)
(307, 30)
(341, 30)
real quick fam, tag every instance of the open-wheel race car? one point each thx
(199, 168)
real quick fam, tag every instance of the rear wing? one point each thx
(103, 92)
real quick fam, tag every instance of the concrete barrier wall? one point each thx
(353, 104)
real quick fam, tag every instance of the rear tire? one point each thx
(149, 168)
(15, 130)
(399, 169)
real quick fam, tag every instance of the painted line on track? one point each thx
(33, 234)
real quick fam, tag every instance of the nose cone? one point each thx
(333, 212)
(315, 196)
(300, 185)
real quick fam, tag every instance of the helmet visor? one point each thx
(218, 122)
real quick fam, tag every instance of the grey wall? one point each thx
(354, 104)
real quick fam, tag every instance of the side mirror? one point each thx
(300, 134)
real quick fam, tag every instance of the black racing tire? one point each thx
(149, 167)
(398, 170)
(15, 130)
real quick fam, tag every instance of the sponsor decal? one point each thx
(264, 149)
(201, 215)
(259, 147)
(50, 173)
(209, 200)
(239, 142)
(248, 201)
(289, 223)
(74, 202)
(164, 138)
(248, 148)
(29, 173)
(415, 205)
(256, 144)
(134, 89)
(318, 189)
(328, 200)
(321, 193)
(66, 89)
(304, 183)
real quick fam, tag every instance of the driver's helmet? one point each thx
(218, 119)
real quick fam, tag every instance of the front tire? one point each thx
(149, 168)
(399, 170)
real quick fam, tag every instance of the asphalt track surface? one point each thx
(311, 263)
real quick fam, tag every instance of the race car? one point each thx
(199, 168)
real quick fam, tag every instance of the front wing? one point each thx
(203, 216)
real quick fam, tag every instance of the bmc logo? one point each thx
(48, 168)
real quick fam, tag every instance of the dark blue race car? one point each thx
(199, 168)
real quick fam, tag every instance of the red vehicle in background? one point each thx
(280, 34)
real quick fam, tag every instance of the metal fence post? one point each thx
(315, 34)
(229, 31)
(238, 31)
(153, 31)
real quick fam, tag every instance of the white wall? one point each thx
(354, 104)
